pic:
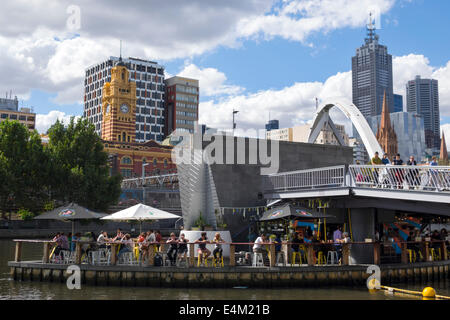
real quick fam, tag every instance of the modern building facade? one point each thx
(272, 125)
(301, 134)
(182, 102)
(409, 129)
(9, 109)
(149, 79)
(422, 97)
(372, 76)
(359, 152)
(398, 103)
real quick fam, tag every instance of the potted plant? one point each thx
(200, 223)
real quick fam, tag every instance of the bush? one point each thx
(49, 206)
(25, 214)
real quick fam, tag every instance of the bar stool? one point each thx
(181, 259)
(321, 258)
(217, 263)
(435, 256)
(199, 259)
(258, 259)
(412, 255)
(332, 256)
(294, 255)
(280, 256)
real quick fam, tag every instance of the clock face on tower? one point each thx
(124, 108)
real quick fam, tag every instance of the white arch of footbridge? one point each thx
(351, 112)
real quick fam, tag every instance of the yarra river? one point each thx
(10, 289)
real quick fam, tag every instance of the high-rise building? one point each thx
(272, 125)
(372, 76)
(9, 109)
(149, 79)
(182, 101)
(398, 103)
(386, 136)
(422, 97)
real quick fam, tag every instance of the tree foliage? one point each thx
(72, 167)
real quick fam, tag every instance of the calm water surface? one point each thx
(10, 289)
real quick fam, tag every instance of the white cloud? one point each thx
(212, 82)
(295, 104)
(38, 51)
(45, 121)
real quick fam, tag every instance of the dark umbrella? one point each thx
(71, 212)
(291, 211)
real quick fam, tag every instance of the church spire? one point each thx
(443, 157)
(385, 134)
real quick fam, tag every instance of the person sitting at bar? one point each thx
(202, 250)
(435, 240)
(76, 237)
(172, 252)
(158, 239)
(337, 237)
(296, 241)
(218, 251)
(57, 239)
(119, 236)
(127, 245)
(102, 239)
(182, 246)
(258, 246)
(143, 246)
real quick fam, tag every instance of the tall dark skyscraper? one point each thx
(372, 76)
(422, 97)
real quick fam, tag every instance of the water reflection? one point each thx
(10, 289)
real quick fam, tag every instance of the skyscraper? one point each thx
(149, 79)
(422, 97)
(372, 76)
(398, 103)
(272, 125)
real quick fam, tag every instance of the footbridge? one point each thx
(411, 185)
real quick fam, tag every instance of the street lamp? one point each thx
(234, 124)
(143, 177)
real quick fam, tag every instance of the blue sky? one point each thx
(237, 66)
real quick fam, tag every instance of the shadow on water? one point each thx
(10, 289)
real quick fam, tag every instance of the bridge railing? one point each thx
(327, 177)
(423, 178)
(151, 181)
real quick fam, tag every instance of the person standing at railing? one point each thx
(398, 172)
(375, 161)
(413, 174)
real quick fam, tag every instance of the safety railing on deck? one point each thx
(327, 177)
(424, 178)
(164, 180)
(419, 178)
(273, 254)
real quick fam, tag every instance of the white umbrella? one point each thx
(141, 212)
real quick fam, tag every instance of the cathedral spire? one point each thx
(443, 157)
(386, 134)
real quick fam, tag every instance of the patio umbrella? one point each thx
(70, 212)
(141, 212)
(291, 211)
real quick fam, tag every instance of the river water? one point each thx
(10, 289)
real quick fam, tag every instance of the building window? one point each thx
(126, 160)
(155, 162)
(165, 163)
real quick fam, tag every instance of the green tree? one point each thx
(24, 168)
(81, 172)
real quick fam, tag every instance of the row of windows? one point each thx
(127, 160)
(181, 121)
(183, 97)
(186, 105)
(15, 117)
(187, 89)
(187, 114)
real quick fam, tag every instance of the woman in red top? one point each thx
(143, 246)
(158, 238)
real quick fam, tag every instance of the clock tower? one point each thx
(119, 106)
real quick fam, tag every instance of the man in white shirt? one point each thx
(257, 247)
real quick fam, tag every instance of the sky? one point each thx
(265, 58)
